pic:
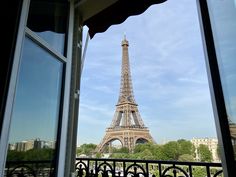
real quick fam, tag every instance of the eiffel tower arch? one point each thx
(127, 125)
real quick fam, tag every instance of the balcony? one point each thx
(94, 167)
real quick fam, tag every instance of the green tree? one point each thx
(171, 151)
(141, 147)
(87, 149)
(14, 155)
(98, 155)
(146, 155)
(120, 155)
(175, 150)
(186, 158)
(204, 153)
(199, 172)
(158, 152)
(32, 154)
(186, 147)
(39, 154)
(120, 150)
(79, 151)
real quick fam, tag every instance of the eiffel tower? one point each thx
(127, 125)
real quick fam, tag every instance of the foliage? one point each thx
(120, 155)
(171, 150)
(32, 154)
(98, 155)
(141, 147)
(14, 155)
(145, 155)
(199, 172)
(158, 152)
(181, 150)
(87, 149)
(186, 158)
(120, 150)
(204, 153)
(186, 147)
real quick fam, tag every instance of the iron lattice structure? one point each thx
(127, 125)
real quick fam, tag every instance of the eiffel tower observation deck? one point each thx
(127, 125)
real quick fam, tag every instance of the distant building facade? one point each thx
(211, 143)
(32, 144)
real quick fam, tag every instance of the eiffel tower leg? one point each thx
(110, 147)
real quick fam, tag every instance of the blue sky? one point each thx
(37, 97)
(168, 73)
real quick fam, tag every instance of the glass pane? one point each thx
(223, 15)
(34, 124)
(49, 21)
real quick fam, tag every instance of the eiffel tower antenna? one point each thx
(127, 125)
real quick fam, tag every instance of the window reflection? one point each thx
(49, 21)
(35, 115)
(223, 15)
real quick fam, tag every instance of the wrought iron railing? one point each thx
(35, 168)
(93, 167)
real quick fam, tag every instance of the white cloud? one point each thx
(103, 88)
(97, 108)
(192, 80)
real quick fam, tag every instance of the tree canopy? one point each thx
(86, 149)
(182, 150)
(205, 154)
(32, 154)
